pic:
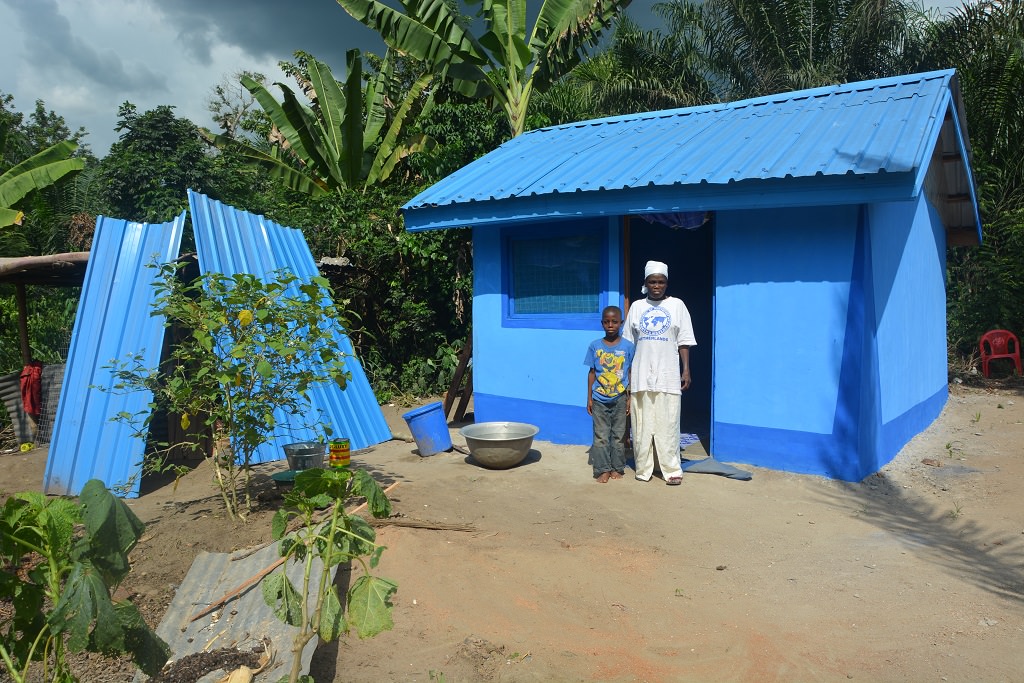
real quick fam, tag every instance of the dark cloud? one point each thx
(83, 58)
(275, 29)
(269, 28)
(56, 48)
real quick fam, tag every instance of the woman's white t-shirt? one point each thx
(658, 329)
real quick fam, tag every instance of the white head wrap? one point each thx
(654, 268)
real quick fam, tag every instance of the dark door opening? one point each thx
(690, 258)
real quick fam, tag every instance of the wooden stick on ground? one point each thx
(419, 524)
(256, 578)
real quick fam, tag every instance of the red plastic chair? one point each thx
(999, 344)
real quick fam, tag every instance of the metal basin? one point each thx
(499, 445)
(305, 455)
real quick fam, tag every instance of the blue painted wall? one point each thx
(829, 338)
(534, 372)
(830, 335)
(910, 315)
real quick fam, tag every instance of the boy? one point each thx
(609, 359)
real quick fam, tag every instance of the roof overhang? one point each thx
(53, 270)
(948, 181)
(744, 194)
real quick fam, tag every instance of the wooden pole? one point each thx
(454, 387)
(626, 274)
(22, 303)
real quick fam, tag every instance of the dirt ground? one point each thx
(914, 574)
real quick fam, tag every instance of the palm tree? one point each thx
(767, 46)
(640, 71)
(503, 63)
(984, 41)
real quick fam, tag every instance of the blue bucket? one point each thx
(429, 428)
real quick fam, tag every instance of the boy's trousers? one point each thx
(608, 452)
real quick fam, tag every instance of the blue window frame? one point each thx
(556, 276)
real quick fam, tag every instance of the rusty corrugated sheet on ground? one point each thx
(113, 321)
(242, 622)
(231, 241)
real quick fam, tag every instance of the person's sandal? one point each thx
(674, 481)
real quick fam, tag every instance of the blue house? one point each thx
(805, 231)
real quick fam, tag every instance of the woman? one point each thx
(660, 328)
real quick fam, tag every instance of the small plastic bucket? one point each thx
(429, 428)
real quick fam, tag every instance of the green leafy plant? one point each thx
(977, 418)
(345, 140)
(333, 538)
(39, 171)
(61, 561)
(503, 61)
(246, 349)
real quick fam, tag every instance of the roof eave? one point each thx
(745, 194)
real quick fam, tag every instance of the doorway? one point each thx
(689, 255)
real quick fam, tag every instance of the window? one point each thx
(556, 277)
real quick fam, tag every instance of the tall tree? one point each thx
(49, 209)
(640, 71)
(148, 170)
(767, 46)
(234, 108)
(984, 41)
(504, 63)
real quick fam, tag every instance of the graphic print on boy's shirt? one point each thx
(612, 364)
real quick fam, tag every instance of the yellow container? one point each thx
(339, 453)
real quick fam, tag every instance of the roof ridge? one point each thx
(774, 98)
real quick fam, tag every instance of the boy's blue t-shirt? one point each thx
(611, 368)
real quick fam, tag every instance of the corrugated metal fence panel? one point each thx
(232, 241)
(852, 129)
(10, 395)
(113, 321)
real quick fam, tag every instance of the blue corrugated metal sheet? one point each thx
(231, 241)
(670, 159)
(113, 321)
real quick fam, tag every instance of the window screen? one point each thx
(556, 275)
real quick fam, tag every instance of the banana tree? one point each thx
(339, 144)
(36, 172)
(503, 63)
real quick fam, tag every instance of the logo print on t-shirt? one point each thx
(655, 321)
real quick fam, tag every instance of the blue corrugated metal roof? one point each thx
(231, 241)
(844, 137)
(112, 321)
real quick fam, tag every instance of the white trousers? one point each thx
(655, 419)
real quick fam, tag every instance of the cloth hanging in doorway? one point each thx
(688, 220)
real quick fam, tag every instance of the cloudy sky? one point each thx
(84, 58)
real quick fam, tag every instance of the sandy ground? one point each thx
(914, 574)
